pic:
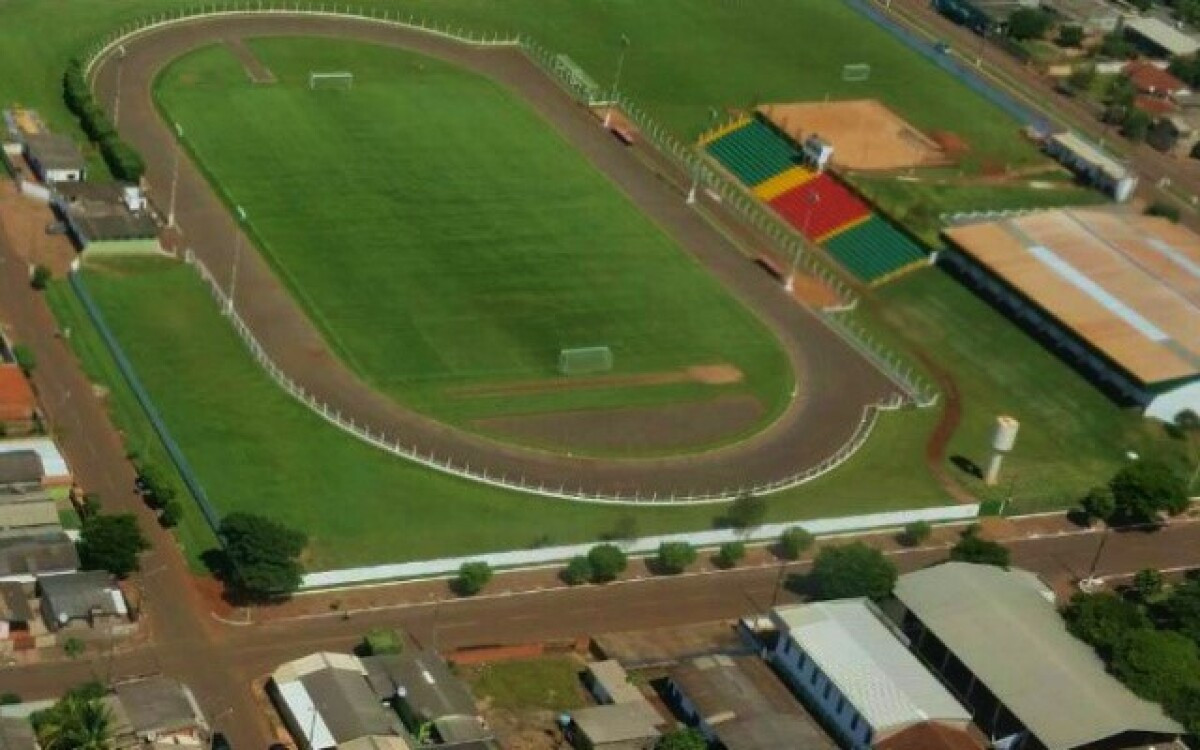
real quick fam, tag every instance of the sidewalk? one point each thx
(401, 594)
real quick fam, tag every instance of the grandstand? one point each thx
(816, 204)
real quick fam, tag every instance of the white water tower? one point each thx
(1004, 437)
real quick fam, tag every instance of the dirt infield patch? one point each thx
(864, 133)
(715, 374)
(635, 429)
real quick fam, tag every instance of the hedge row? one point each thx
(122, 159)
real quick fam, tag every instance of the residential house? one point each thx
(625, 720)
(739, 704)
(16, 614)
(24, 558)
(327, 701)
(156, 712)
(1175, 134)
(90, 598)
(851, 667)
(1152, 80)
(55, 472)
(20, 470)
(997, 639)
(426, 693)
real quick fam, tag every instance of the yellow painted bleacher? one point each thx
(782, 182)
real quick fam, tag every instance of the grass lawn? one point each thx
(257, 450)
(918, 205)
(684, 56)
(438, 255)
(1072, 437)
(550, 683)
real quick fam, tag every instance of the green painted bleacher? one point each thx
(874, 249)
(754, 153)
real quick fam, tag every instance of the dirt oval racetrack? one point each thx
(837, 382)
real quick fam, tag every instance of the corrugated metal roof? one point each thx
(24, 515)
(1006, 631)
(53, 463)
(869, 664)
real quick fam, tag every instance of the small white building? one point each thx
(817, 152)
(1091, 163)
(853, 669)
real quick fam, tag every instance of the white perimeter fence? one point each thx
(644, 546)
(916, 389)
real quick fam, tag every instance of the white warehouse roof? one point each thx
(863, 657)
(1163, 34)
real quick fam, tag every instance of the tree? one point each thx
(1029, 23)
(262, 555)
(1156, 664)
(170, 514)
(1099, 503)
(674, 557)
(40, 277)
(9, 699)
(1120, 92)
(915, 533)
(1103, 620)
(25, 359)
(747, 512)
(608, 561)
(1115, 46)
(472, 577)
(156, 484)
(112, 543)
(75, 723)
(1070, 36)
(1145, 488)
(730, 554)
(1082, 78)
(972, 548)
(852, 570)
(1181, 610)
(1163, 209)
(1136, 125)
(1149, 584)
(685, 738)
(578, 571)
(795, 542)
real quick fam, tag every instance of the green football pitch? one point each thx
(445, 238)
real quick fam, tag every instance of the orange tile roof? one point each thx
(1152, 105)
(17, 401)
(1150, 78)
(930, 735)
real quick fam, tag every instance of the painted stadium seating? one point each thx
(875, 252)
(753, 152)
(769, 164)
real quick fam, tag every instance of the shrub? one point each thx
(730, 554)
(9, 699)
(1163, 209)
(674, 557)
(915, 533)
(472, 577)
(382, 641)
(25, 359)
(578, 571)
(171, 514)
(972, 548)
(40, 277)
(607, 561)
(795, 542)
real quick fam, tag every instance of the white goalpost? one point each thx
(332, 79)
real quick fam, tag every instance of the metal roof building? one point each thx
(1159, 36)
(999, 640)
(852, 665)
(54, 466)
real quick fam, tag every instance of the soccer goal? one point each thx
(586, 360)
(334, 79)
(856, 72)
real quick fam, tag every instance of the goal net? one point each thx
(586, 360)
(334, 79)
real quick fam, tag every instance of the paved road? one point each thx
(1150, 164)
(835, 381)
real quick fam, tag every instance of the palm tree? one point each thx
(77, 723)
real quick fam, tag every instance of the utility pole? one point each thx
(612, 99)
(812, 199)
(237, 252)
(117, 94)
(175, 174)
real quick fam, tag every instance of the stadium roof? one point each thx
(1162, 34)
(1128, 285)
(1003, 626)
(870, 666)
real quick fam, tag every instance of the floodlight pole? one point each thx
(117, 94)
(691, 196)
(812, 199)
(237, 252)
(616, 80)
(175, 175)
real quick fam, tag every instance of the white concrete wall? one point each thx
(646, 545)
